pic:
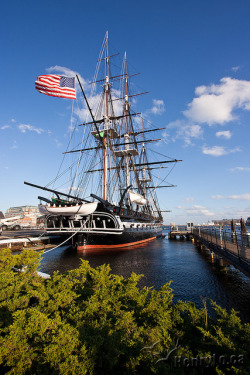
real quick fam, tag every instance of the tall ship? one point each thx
(111, 198)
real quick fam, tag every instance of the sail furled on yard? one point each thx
(56, 85)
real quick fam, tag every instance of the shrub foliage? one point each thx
(89, 321)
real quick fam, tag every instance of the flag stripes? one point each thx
(56, 85)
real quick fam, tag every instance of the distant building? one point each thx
(226, 221)
(29, 214)
(1, 215)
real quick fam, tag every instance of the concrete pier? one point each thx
(180, 234)
(17, 241)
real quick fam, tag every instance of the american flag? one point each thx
(55, 85)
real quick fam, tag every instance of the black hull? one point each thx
(109, 241)
(103, 229)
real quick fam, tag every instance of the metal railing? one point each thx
(234, 242)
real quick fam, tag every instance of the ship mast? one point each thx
(106, 124)
(143, 160)
(126, 135)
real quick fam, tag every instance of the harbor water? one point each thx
(193, 274)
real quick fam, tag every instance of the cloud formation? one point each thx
(158, 107)
(25, 127)
(5, 127)
(62, 70)
(189, 199)
(224, 134)
(240, 169)
(215, 104)
(242, 197)
(186, 131)
(94, 98)
(219, 150)
(197, 210)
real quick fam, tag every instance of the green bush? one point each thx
(89, 321)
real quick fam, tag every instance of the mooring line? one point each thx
(47, 251)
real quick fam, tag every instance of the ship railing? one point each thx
(109, 130)
(65, 230)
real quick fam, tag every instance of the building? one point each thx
(226, 221)
(28, 214)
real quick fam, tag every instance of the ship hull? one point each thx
(102, 230)
(128, 238)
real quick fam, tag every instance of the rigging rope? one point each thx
(47, 251)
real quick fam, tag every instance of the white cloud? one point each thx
(62, 70)
(25, 127)
(242, 197)
(191, 131)
(165, 137)
(158, 107)
(188, 199)
(224, 134)
(235, 68)
(5, 127)
(176, 124)
(218, 150)
(83, 113)
(197, 210)
(180, 208)
(215, 103)
(240, 169)
(185, 131)
(217, 197)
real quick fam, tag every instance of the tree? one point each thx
(89, 321)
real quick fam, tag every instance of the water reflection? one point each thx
(192, 272)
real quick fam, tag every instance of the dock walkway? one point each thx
(237, 244)
(233, 246)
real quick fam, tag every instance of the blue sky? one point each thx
(193, 58)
